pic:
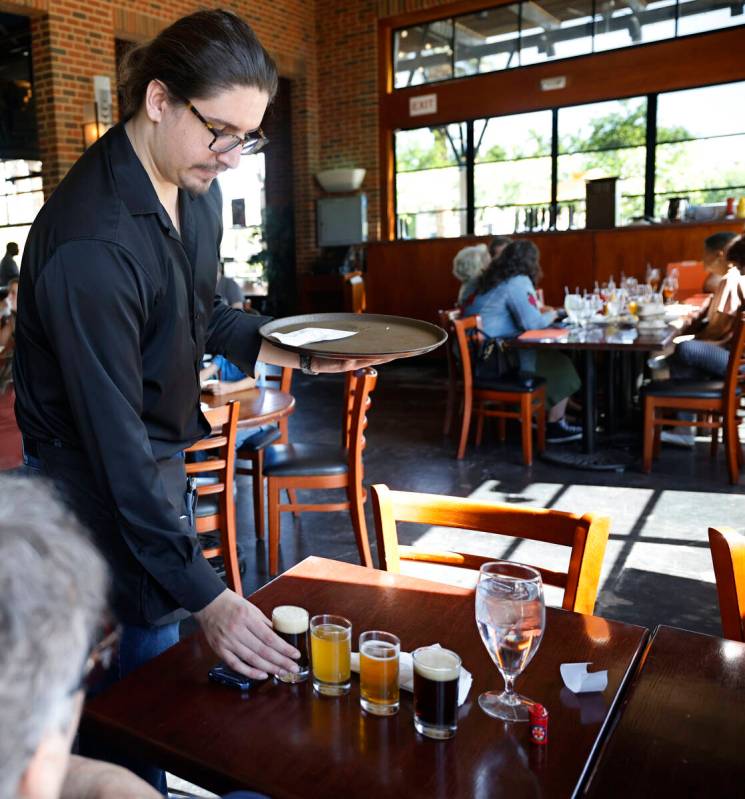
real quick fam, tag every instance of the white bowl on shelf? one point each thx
(336, 180)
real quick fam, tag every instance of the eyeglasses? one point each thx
(99, 660)
(225, 142)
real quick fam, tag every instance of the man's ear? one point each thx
(156, 99)
(46, 770)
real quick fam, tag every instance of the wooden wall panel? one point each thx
(414, 278)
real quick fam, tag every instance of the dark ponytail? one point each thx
(196, 57)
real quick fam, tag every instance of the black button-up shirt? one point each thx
(115, 311)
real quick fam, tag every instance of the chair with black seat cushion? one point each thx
(509, 396)
(316, 466)
(250, 454)
(215, 515)
(715, 402)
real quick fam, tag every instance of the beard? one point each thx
(198, 182)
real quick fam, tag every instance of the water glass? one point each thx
(511, 618)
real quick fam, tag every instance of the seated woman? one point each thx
(705, 355)
(468, 265)
(506, 301)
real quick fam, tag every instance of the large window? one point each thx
(526, 172)
(431, 188)
(512, 170)
(601, 140)
(21, 198)
(700, 155)
(535, 31)
(243, 216)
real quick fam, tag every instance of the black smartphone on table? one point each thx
(226, 676)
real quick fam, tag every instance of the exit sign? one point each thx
(422, 105)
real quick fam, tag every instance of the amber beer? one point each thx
(331, 654)
(291, 624)
(436, 674)
(379, 693)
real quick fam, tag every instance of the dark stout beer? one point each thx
(291, 624)
(436, 674)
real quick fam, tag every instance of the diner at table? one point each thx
(241, 556)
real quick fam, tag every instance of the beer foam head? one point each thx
(289, 619)
(437, 664)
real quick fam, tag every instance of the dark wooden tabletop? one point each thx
(284, 741)
(258, 405)
(681, 730)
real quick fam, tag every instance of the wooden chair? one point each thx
(355, 299)
(454, 383)
(715, 402)
(250, 455)
(312, 466)
(214, 476)
(505, 397)
(728, 555)
(587, 536)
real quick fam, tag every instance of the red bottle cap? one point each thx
(539, 724)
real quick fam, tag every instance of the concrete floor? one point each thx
(657, 566)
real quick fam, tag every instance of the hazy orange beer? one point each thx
(379, 654)
(331, 654)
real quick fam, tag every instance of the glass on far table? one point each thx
(436, 677)
(331, 654)
(573, 305)
(511, 617)
(379, 656)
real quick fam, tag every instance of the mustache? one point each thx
(219, 168)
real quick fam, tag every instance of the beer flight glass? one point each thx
(511, 617)
(291, 624)
(436, 676)
(379, 656)
(331, 654)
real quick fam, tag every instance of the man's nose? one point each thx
(231, 159)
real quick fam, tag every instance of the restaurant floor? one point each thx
(657, 565)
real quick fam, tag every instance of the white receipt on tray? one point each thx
(311, 335)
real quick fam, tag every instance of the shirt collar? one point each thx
(132, 181)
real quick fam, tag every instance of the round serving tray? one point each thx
(377, 335)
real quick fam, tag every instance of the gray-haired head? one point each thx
(470, 262)
(52, 595)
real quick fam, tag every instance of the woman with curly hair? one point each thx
(506, 301)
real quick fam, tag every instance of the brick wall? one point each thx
(326, 48)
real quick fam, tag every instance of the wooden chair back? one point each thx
(734, 380)
(359, 385)
(446, 319)
(284, 378)
(219, 468)
(728, 556)
(355, 299)
(466, 331)
(586, 535)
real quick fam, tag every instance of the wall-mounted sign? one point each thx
(552, 84)
(102, 94)
(422, 105)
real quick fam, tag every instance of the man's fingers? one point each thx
(263, 657)
(269, 638)
(235, 663)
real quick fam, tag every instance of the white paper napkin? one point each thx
(406, 674)
(311, 335)
(580, 681)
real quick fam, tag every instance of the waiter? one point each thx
(117, 306)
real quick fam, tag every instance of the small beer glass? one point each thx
(379, 653)
(331, 650)
(291, 624)
(436, 675)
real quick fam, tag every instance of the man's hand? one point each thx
(217, 389)
(333, 365)
(242, 637)
(94, 779)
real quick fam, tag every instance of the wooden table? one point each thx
(611, 339)
(258, 405)
(284, 741)
(681, 731)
